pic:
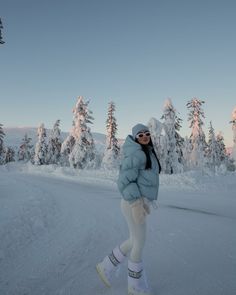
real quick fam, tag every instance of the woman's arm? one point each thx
(129, 172)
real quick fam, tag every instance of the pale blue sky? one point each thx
(137, 53)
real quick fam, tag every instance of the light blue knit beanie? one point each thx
(137, 128)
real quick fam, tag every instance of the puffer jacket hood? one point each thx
(130, 146)
(138, 128)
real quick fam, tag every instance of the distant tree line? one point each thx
(176, 154)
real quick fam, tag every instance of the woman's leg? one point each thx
(137, 238)
(126, 246)
(137, 283)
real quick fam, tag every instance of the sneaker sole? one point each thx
(102, 276)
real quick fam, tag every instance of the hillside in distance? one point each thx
(14, 135)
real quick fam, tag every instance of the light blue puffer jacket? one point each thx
(134, 181)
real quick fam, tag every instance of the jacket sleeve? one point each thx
(129, 171)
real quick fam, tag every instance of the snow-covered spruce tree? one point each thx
(41, 147)
(83, 154)
(187, 149)
(220, 149)
(197, 137)
(211, 151)
(112, 151)
(68, 144)
(159, 141)
(233, 122)
(224, 161)
(2, 149)
(179, 141)
(9, 155)
(230, 163)
(66, 149)
(25, 149)
(54, 144)
(171, 125)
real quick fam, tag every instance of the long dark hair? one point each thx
(145, 149)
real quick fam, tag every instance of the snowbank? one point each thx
(188, 181)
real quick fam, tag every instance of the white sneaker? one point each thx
(137, 282)
(109, 265)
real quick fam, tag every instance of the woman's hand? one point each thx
(139, 211)
(146, 207)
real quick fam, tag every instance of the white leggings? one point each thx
(137, 235)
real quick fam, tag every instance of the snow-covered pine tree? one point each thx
(223, 158)
(230, 163)
(83, 153)
(221, 149)
(9, 155)
(171, 122)
(187, 149)
(159, 141)
(68, 143)
(112, 151)
(179, 140)
(41, 147)
(54, 144)
(197, 137)
(66, 149)
(25, 149)
(211, 151)
(233, 121)
(2, 149)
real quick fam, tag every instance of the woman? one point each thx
(138, 183)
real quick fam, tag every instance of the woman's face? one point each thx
(143, 137)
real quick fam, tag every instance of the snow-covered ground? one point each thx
(57, 223)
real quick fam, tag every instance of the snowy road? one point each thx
(53, 230)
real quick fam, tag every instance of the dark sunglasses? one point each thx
(140, 135)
